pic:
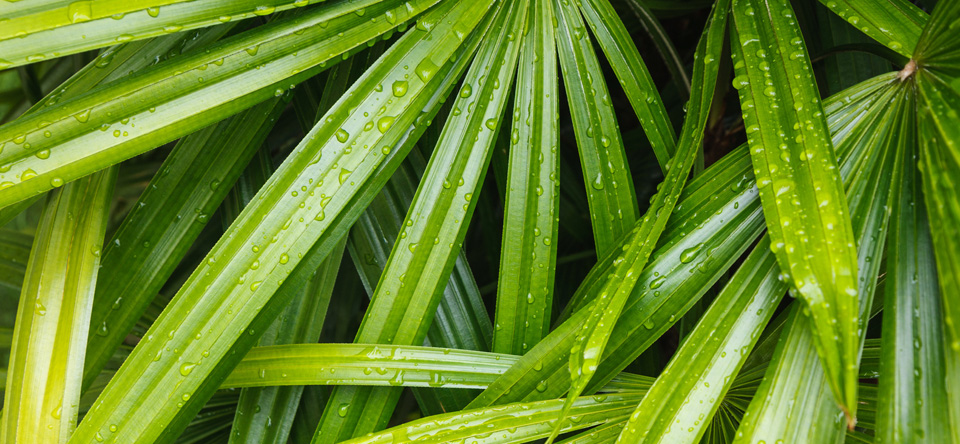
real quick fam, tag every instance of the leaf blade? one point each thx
(781, 109)
(42, 392)
(531, 214)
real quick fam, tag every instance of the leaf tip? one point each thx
(851, 419)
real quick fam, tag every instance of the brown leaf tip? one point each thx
(851, 420)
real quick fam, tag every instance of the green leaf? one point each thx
(685, 397)
(913, 401)
(651, 25)
(372, 365)
(42, 392)
(265, 414)
(815, 249)
(166, 220)
(939, 102)
(724, 189)
(382, 365)
(461, 320)
(938, 83)
(866, 134)
(621, 52)
(419, 266)
(606, 172)
(307, 205)
(127, 117)
(596, 331)
(938, 49)
(719, 213)
(513, 423)
(35, 32)
(895, 24)
(531, 215)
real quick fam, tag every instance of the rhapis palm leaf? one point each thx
(795, 380)
(606, 309)
(42, 393)
(129, 116)
(531, 214)
(34, 32)
(309, 199)
(913, 397)
(606, 173)
(419, 265)
(218, 272)
(804, 206)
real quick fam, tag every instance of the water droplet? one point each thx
(385, 123)
(80, 11)
(82, 116)
(264, 10)
(400, 88)
(542, 386)
(689, 254)
(342, 136)
(186, 368)
(344, 174)
(426, 70)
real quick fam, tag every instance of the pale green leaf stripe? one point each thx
(606, 172)
(383, 365)
(683, 400)
(718, 213)
(419, 266)
(34, 32)
(528, 254)
(588, 349)
(895, 24)
(913, 403)
(795, 383)
(166, 220)
(265, 414)
(621, 52)
(132, 115)
(512, 423)
(796, 170)
(42, 395)
(244, 270)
